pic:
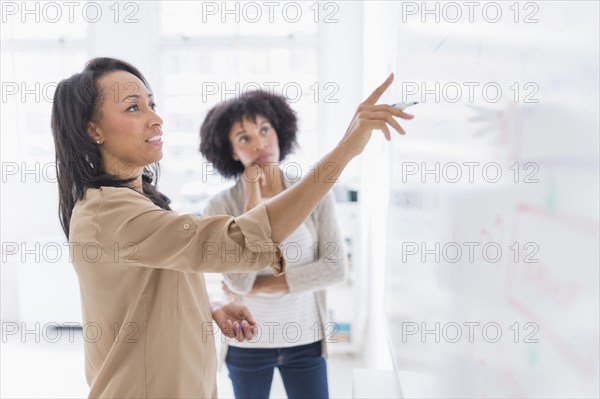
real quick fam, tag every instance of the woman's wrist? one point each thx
(216, 305)
(340, 156)
(270, 284)
(250, 204)
(252, 195)
(257, 286)
(343, 154)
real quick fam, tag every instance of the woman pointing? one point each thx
(140, 265)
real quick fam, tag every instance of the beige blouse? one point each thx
(148, 328)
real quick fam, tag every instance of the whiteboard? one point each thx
(492, 263)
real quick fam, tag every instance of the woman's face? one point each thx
(254, 142)
(128, 128)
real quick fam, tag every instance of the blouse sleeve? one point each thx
(331, 266)
(240, 283)
(140, 233)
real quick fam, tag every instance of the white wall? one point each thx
(33, 288)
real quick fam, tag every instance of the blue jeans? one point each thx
(302, 368)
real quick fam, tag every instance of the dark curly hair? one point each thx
(214, 132)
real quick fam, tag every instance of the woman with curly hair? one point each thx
(259, 129)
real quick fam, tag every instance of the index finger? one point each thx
(374, 97)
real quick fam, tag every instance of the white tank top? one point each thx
(286, 319)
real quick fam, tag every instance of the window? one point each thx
(212, 52)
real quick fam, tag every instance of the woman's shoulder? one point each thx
(232, 193)
(112, 197)
(109, 193)
(225, 200)
(103, 205)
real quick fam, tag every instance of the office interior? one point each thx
(503, 151)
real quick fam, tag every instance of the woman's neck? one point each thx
(137, 184)
(122, 172)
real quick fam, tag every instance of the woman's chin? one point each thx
(266, 162)
(155, 157)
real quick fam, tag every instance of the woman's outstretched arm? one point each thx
(291, 207)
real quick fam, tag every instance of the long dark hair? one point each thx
(78, 161)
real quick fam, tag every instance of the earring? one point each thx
(98, 141)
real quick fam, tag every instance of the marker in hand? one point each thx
(403, 106)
